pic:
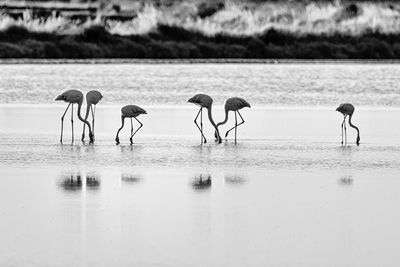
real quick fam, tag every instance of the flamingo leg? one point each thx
(345, 132)
(236, 125)
(201, 131)
(122, 126)
(141, 125)
(201, 124)
(226, 134)
(83, 131)
(72, 121)
(93, 112)
(62, 122)
(131, 131)
(344, 119)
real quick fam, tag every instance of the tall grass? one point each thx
(238, 18)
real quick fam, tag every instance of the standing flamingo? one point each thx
(73, 97)
(92, 98)
(347, 109)
(234, 104)
(204, 101)
(130, 111)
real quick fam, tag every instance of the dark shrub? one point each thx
(8, 50)
(162, 50)
(174, 33)
(256, 48)
(209, 50)
(96, 34)
(374, 49)
(70, 48)
(234, 51)
(276, 37)
(187, 50)
(16, 33)
(128, 49)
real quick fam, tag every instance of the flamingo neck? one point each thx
(355, 127)
(87, 109)
(225, 120)
(82, 119)
(122, 126)
(209, 109)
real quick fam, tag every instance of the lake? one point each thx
(288, 194)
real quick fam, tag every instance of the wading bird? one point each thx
(73, 97)
(234, 104)
(130, 111)
(92, 98)
(347, 109)
(204, 101)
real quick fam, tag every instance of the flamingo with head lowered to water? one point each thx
(204, 101)
(73, 97)
(92, 98)
(347, 109)
(234, 104)
(130, 111)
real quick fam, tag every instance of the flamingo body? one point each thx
(93, 97)
(236, 103)
(130, 111)
(204, 101)
(71, 96)
(346, 109)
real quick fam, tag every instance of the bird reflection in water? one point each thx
(74, 182)
(71, 183)
(346, 180)
(202, 182)
(235, 179)
(92, 181)
(129, 178)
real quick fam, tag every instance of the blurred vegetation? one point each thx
(170, 42)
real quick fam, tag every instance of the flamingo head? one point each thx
(60, 97)
(91, 137)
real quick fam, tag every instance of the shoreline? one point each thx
(16, 61)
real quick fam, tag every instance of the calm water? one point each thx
(166, 84)
(289, 194)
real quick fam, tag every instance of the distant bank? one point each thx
(172, 42)
(94, 61)
(201, 29)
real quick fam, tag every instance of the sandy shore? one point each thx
(287, 195)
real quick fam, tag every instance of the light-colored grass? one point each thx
(237, 19)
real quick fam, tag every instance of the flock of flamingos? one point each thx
(202, 100)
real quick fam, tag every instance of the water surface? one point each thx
(288, 194)
(170, 84)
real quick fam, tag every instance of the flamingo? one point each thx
(204, 101)
(73, 97)
(92, 98)
(234, 104)
(130, 111)
(347, 109)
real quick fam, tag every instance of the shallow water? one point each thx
(288, 194)
(168, 84)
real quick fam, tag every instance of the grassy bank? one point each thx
(170, 42)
